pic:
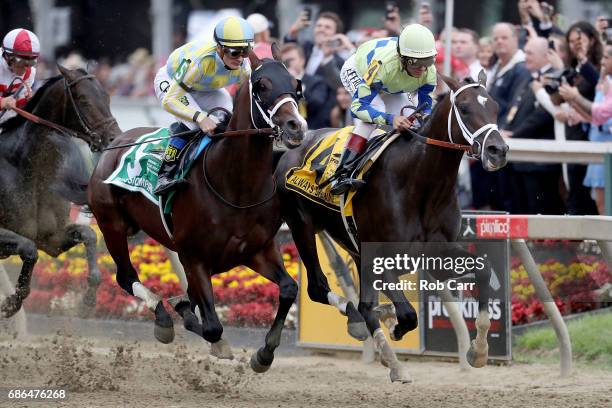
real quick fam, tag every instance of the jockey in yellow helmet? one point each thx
(193, 82)
(379, 76)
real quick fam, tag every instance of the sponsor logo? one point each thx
(501, 227)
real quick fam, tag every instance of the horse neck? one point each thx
(447, 160)
(245, 160)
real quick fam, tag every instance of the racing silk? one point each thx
(379, 66)
(9, 85)
(196, 67)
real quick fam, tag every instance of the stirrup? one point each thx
(342, 185)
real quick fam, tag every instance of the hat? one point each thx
(259, 22)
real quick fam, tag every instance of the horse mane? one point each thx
(18, 120)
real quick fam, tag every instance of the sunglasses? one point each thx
(237, 52)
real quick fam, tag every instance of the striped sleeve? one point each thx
(176, 102)
(361, 107)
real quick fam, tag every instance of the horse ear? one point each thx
(482, 77)
(451, 82)
(64, 71)
(255, 61)
(276, 54)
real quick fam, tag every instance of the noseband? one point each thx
(477, 147)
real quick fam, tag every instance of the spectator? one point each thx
(600, 115)
(537, 16)
(426, 18)
(261, 28)
(494, 190)
(328, 49)
(485, 55)
(585, 53)
(535, 186)
(316, 92)
(341, 113)
(465, 49)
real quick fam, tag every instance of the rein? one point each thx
(440, 143)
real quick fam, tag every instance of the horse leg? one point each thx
(367, 304)
(75, 234)
(116, 241)
(400, 317)
(200, 292)
(478, 353)
(303, 234)
(14, 244)
(269, 264)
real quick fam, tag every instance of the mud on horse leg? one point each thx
(14, 244)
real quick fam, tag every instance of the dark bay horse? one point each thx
(227, 216)
(43, 170)
(409, 197)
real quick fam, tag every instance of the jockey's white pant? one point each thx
(384, 102)
(203, 101)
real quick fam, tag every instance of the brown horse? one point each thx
(409, 197)
(42, 170)
(227, 216)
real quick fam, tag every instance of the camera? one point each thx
(307, 13)
(556, 79)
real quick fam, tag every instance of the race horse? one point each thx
(228, 214)
(409, 197)
(42, 170)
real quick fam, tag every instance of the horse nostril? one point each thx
(293, 125)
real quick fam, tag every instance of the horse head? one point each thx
(87, 108)
(472, 118)
(275, 94)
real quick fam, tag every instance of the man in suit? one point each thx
(535, 186)
(316, 92)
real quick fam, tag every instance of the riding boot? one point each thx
(170, 163)
(355, 146)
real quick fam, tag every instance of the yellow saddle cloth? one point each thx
(319, 164)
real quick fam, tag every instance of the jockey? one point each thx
(193, 81)
(379, 76)
(20, 50)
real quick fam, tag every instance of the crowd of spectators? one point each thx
(549, 83)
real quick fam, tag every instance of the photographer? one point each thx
(539, 16)
(599, 113)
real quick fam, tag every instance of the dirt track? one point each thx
(107, 373)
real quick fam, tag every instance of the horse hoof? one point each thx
(10, 306)
(358, 331)
(475, 359)
(164, 334)
(257, 366)
(89, 299)
(401, 375)
(222, 350)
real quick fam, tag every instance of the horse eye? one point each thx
(463, 109)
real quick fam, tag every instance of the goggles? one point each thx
(27, 61)
(418, 62)
(235, 52)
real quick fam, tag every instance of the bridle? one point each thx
(477, 148)
(91, 131)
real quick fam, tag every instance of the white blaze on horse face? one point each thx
(482, 100)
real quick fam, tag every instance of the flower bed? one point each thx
(242, 297)
(573, 283)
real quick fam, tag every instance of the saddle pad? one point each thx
(139, 165)
(320, 163)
